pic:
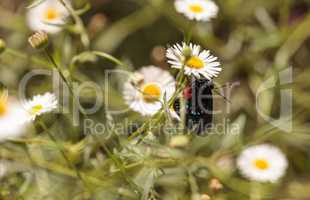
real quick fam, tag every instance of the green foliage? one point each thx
(254, 41)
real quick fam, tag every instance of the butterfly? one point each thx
(198, 98)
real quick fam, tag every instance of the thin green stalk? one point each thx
(114, 159)
(110, 58)
(189, 32)
(51, 59)
(120, 30)
(78, 22)
(52, 167)
(61, 150)
(193, 185)
(119, 164)
(35, 60)
(160, 114)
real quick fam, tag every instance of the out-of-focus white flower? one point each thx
(146, 92)
(262, 163)
(200, 10)
(196, 62)
(12, 116)
(48, 16)
(40, 104)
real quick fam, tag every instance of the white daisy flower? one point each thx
(145, 92)
(200, 10)
(200, 63)
(263, 163)
(48, 16)
(40, 104)
(12, 116)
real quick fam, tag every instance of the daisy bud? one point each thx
(2, 46)
(187, 52)
(74, 151)
(39, 40)
(97, 23)
(179, 141)
(205, 197)
(159, 54)
(136, 78)
(215, 185)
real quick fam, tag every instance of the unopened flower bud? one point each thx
(2, 46)
(97, 24)
(159, 54)
(39, 40)
(179, 141)
(187, 52)
(215, 185)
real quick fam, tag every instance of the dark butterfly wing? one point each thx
(198, 105)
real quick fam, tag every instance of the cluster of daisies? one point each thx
(147, 89)
(50, 15)
(16, 115)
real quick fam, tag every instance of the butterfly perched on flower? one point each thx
(198, 99)
(201, 67)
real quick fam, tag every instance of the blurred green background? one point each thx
(254, 40)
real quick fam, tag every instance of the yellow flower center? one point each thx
(36, 109)
(261, 164)
(3, 108)
(151, 92)
(196, 8)
(195, 63)
(51, 14)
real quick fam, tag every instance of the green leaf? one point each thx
(84, 57)
(234, 134)
(146, 179)
(83, 10)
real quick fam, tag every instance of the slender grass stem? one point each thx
(110, 58)
(110, 154)
(62, 151)
(18, 54)
(51, 59)
(79, 23)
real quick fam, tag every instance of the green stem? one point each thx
(160, 114)
(50, 166)
(51, 59)
(18, 54)
(114, 159)
(120, 30)
(79, 23)
(189, 32)
(110, 58)
(61, 150)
